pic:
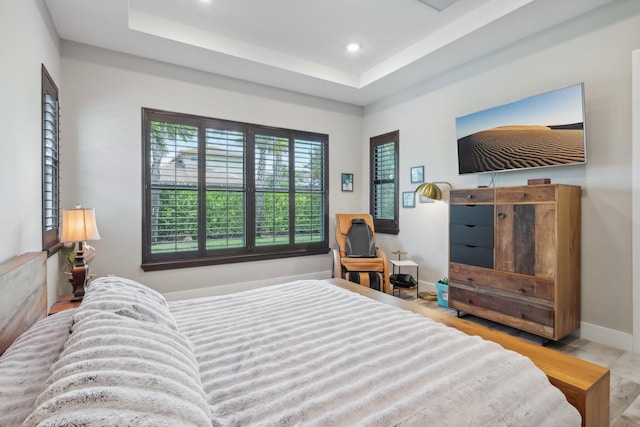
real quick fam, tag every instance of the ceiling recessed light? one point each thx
(353, 47)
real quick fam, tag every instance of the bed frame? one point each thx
(23, 301)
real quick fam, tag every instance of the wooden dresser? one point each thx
(515, 256)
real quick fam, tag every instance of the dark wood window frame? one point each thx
(50, 121)
(293, 191)
(385, 220)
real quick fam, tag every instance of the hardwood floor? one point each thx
(624, 366)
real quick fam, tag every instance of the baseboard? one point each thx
(241, 286)
(606, 336)
(426, 286)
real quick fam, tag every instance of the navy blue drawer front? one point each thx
(471, 214)
(471, 255)
(472, 235)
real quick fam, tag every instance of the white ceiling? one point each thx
(299, 45)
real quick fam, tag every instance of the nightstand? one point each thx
(404, 263)
(63, 303)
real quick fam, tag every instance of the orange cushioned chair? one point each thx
(359, 269)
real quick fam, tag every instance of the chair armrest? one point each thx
(387, 284)
(337, 264)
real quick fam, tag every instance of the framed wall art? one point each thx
(347, 182)
(408, 199)
(417, 174)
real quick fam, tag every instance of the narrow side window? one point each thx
(383, 198)
(50, 163)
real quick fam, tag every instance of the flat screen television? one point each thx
(539, 131)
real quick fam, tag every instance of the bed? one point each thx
(300, 353)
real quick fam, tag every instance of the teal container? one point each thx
(443, 294)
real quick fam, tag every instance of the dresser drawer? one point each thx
(472, 255)
(513, 306)
(472, 195)
(471, 214)
(513, 283)
(526, 194)
(471, 235)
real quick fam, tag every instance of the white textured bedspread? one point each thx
(26, 365)
(311, 354)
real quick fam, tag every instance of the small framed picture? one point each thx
(408, 199)
(417, 174)
(347, 182)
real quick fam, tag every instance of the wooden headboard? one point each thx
(23, 294)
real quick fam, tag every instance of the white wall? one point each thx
(104, 94)
(426, 120)
(20, 116)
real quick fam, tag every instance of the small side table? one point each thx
(63, 303)
(405, 263)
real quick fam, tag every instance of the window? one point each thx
(383, 199)
(218, 191)
(50, 163)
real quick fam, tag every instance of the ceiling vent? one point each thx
(438, 5)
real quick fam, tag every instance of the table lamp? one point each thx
(78, 226)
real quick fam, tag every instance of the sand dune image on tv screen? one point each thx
(517, 147)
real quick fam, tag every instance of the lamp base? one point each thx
(77, 298)
(79, 275)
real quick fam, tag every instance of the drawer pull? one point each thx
(469, 196)
(501, 215)
(469, 279)
(468, 300)
(470, 246)
(521, 315)
(521, 290)
(469, 225)
(523, 195)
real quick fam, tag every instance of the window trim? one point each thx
(50, 236)
(385, 226)
(232, 255)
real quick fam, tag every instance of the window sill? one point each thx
(201, 262)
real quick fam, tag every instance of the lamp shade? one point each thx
(431, 190)
(79, 225)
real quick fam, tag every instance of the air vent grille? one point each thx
(438, 5)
